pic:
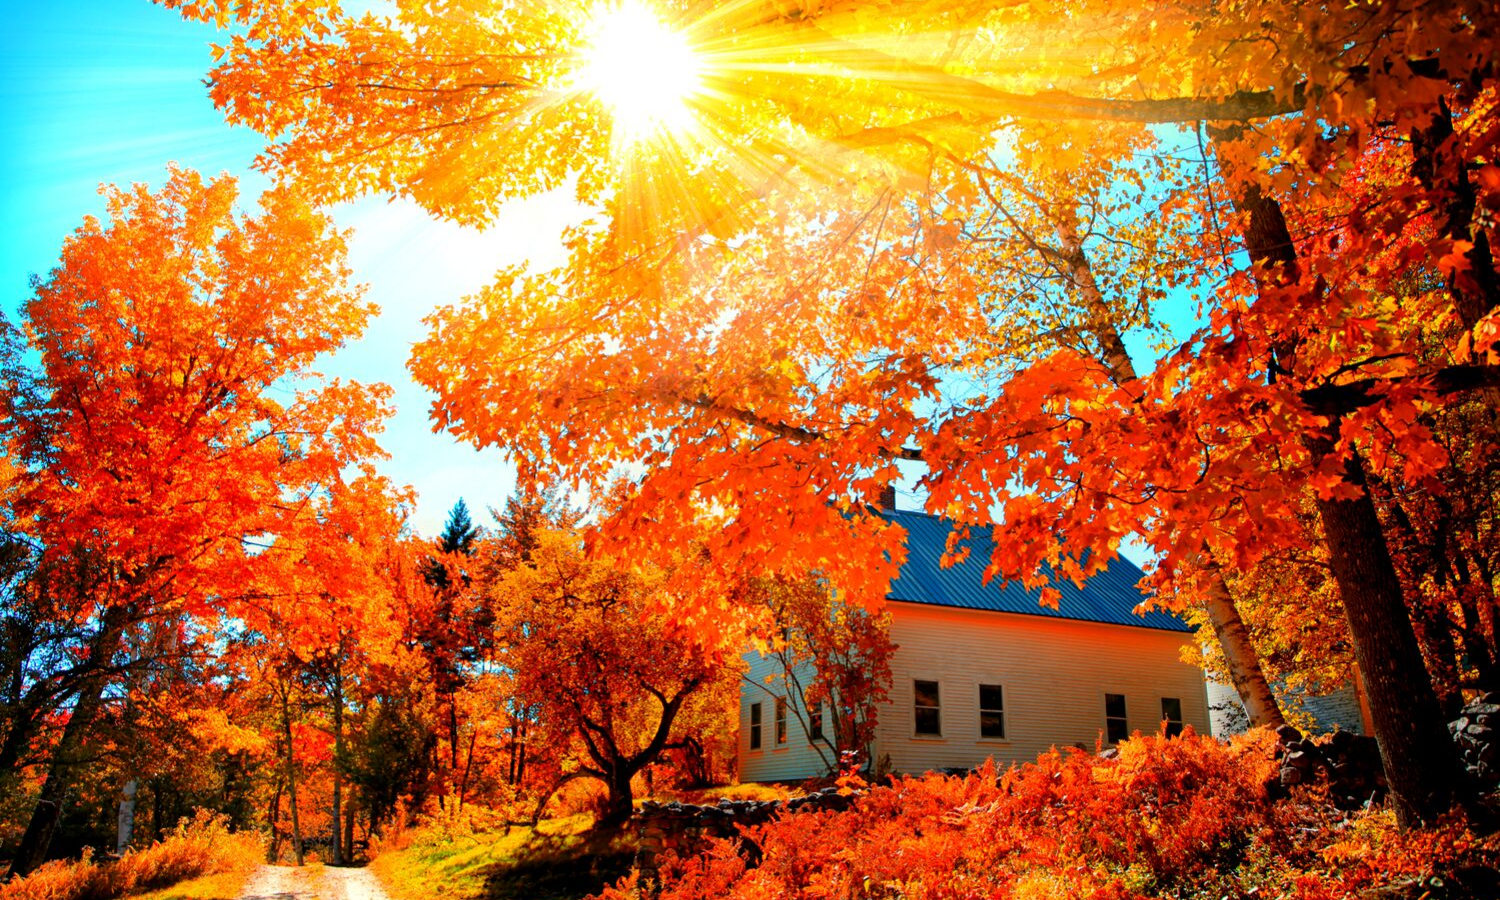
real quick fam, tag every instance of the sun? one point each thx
(641, 70)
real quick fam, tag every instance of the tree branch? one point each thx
(1334, 400)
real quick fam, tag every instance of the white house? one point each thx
(985, 671)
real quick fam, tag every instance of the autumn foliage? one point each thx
(1217, 279)
(200, 846)
(937, 235)
(1182, 817)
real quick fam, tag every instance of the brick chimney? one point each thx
(887, 498)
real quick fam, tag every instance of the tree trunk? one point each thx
(37, 840)
(1240, 658)
(1439, 165)
(348, 831)
(620, 803)
(463, 784)
(521, 753)
(125, 822)
(453, 732)
(158, 807)
(1420, 762)
(339, 848)
(1419, 759)
(273, 815)
(291, 775)
(515, 741)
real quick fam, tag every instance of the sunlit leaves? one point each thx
(178, 429)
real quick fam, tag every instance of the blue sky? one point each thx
(110, 91)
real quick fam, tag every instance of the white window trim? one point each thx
(916, 735)
(750, 725)
(979, 712)
(1105, 717)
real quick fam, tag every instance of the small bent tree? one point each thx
(589, 649)
(828, 653)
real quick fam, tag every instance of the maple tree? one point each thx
(780, 304)
(609, 678)
(155, 440)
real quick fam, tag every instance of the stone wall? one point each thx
(1350, 763)
(685, 829)
(1477, 733)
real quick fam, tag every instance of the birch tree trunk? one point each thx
(125, 824)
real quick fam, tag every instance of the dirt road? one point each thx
(313, 883)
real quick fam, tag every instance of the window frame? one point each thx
(1110, 719)
(997, 710)
(757, 718)
(780, 721)
(1174, 726)
(917, 708)
(814, 720)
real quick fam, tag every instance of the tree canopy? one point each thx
(921, 231)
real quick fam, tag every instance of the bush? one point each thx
(199, 846)
(1181, 817)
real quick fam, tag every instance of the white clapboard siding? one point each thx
(796, 759)
(1054, 674)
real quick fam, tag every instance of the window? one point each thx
(755, 726)
(1171, 714)
(814, 719)
(781, 720)
(1115, 726)
(926, 707)
(991, 711)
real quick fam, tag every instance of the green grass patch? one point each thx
(561, 859)
(221, 886)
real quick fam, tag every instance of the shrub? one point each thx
(1181, 817)
(199, 846)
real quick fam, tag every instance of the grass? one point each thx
(219, 886)
(713, 795)
(202, 855)
(561, 859)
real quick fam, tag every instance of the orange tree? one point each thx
(170, 435)
(613, 679)
(790, 288)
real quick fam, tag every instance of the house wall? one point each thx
(1054, 674)
(797, 758)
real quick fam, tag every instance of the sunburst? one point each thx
(644, 72)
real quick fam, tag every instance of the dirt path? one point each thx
(313, 883)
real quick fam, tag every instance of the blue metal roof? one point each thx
(1109, 597)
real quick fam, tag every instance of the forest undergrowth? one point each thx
(200, 846)
(1183, 818)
